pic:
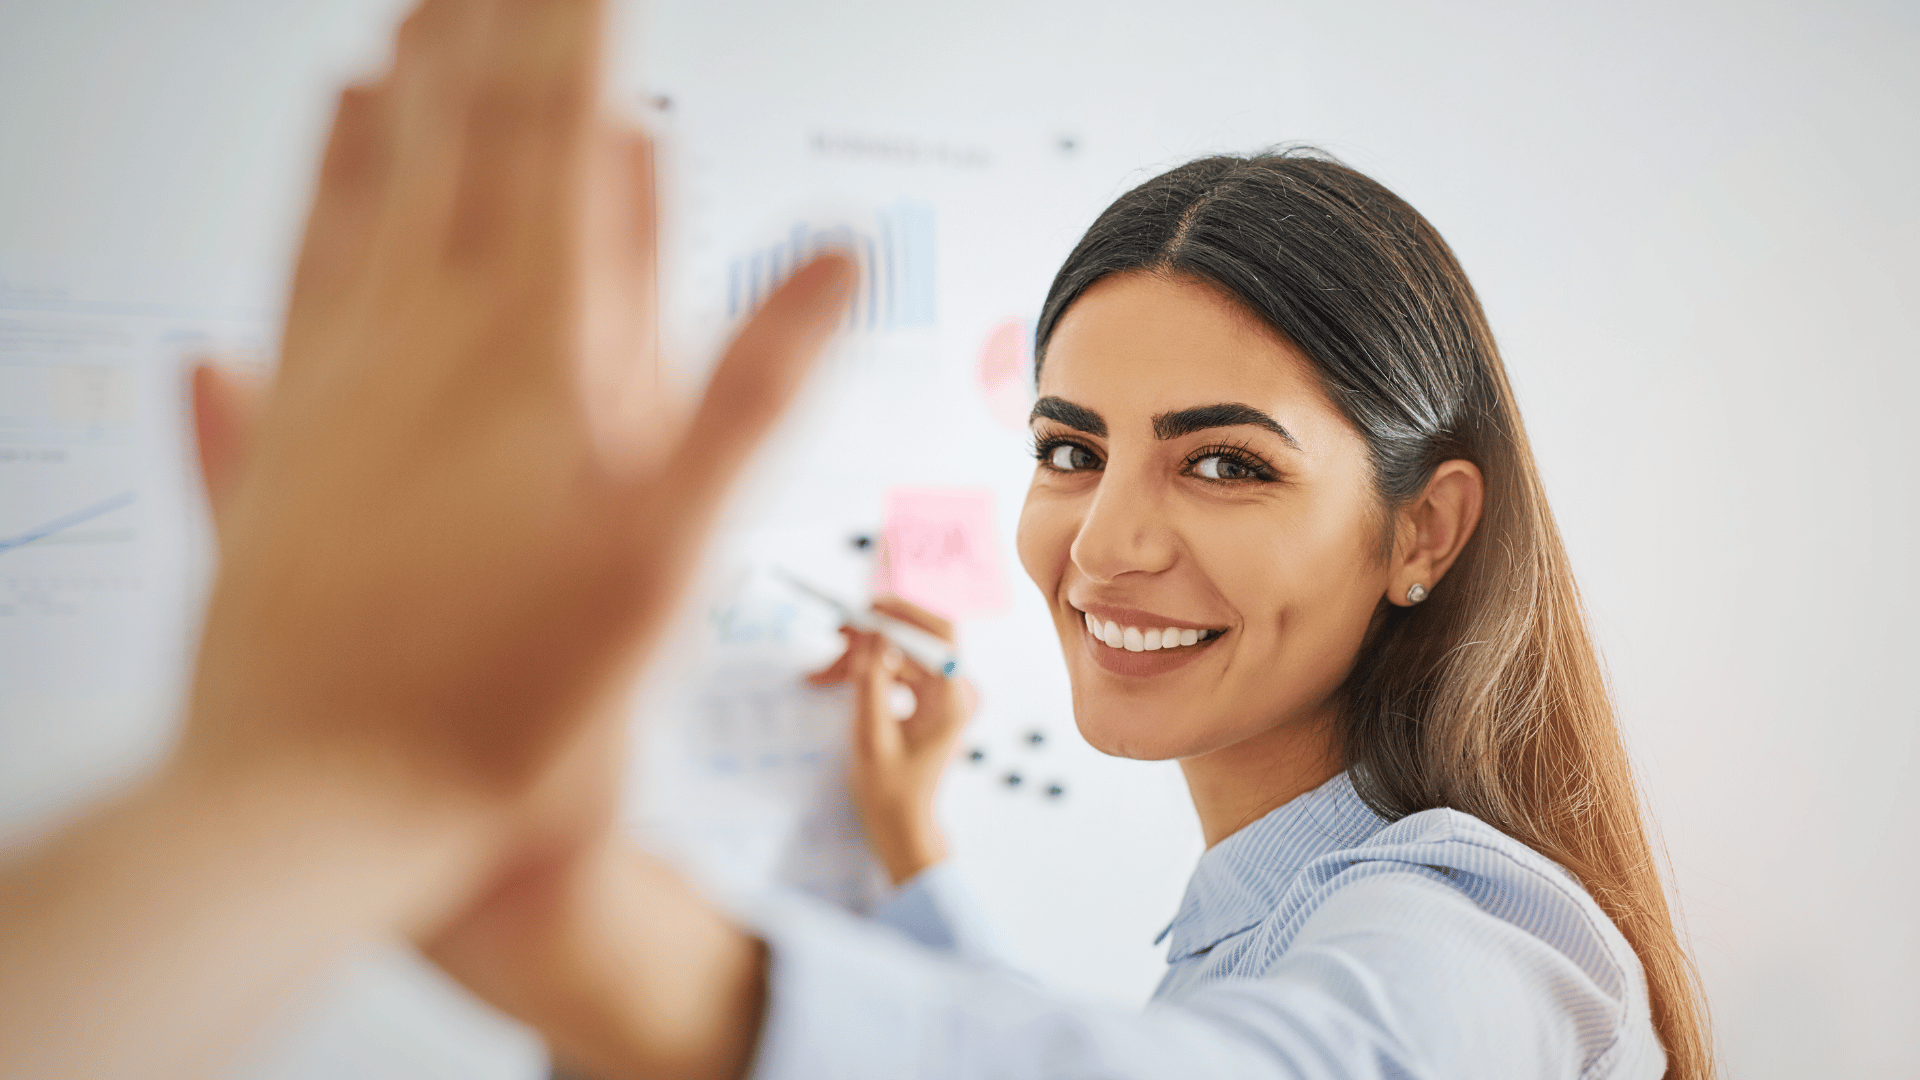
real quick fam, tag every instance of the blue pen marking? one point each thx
(58, 525)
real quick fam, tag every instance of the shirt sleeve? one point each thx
(933, 909)
(1397, 976)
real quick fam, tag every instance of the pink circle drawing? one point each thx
(1006, 372)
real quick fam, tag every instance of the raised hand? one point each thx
(448, 540)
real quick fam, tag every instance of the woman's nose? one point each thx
(1125, 530)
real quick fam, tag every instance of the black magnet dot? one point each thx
(1037, 738)
(1013, 779)
(862, 542)
(1054, 791)
(976, 755)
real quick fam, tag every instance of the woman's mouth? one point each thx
(1124, 648)
(1149, 639)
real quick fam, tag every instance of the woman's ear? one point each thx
(1431, 530)
(227, 402)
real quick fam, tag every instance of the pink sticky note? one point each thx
(941, 550)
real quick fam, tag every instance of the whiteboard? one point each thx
(1692, 230)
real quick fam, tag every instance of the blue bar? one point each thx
(873, 284)
(917, 269)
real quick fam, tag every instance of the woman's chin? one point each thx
(1130, 736)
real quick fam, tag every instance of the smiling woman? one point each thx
(1288, 528)
(1273, 408)
(1290, 533)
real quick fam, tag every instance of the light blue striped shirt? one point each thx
(1318, 942)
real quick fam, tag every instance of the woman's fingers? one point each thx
(346, 210)
(530, 133)
(620, 380)
(895, 765)
(494, 111)
(761, 370)
(876, 733)
(352, 173)
(912, 672)
(543, 59)
(436, 62)
(944, 704)
(918, 676)
(915, 615)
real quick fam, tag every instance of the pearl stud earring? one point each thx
(1416, 593)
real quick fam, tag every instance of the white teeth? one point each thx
(1134, 639)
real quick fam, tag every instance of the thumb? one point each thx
(761, 371)
(758, 376)
(944, 704)
(227, 403)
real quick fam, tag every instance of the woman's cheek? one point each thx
(1273, 581)
(1324, 607)
(1044, 537)
(1250, 563)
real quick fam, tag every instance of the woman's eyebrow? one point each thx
(1066, 412)
(1172, 425)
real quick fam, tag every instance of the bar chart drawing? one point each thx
(896, 257)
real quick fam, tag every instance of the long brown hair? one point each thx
(1488, 698)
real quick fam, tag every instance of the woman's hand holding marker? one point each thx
(895, 762)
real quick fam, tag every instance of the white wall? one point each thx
(1692, 228)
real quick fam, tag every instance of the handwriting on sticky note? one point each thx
(941, 550)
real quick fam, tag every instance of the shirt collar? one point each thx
(1239, 881)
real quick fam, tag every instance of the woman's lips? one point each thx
(1159, 647)
(1135, 617)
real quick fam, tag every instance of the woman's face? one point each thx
(1195, 486)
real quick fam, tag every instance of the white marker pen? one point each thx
(927, 650)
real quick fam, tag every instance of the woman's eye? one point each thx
(1070, 457)
(1222, 467)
